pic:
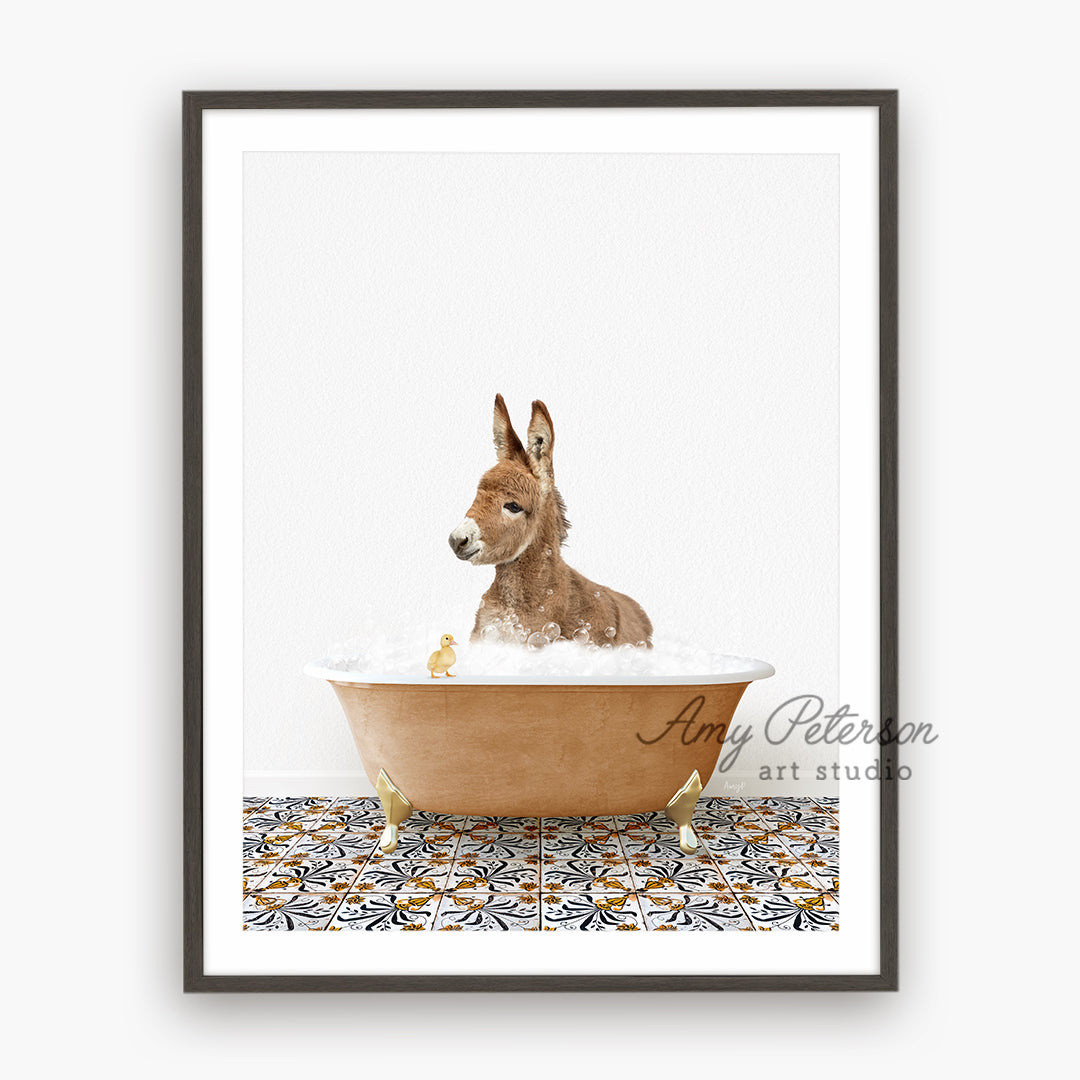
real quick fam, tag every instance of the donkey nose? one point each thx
(463, 538)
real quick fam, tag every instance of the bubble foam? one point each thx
(376, 654)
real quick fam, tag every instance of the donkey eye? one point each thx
(512, 507)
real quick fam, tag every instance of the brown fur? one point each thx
(525, 547)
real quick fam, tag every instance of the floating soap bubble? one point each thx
(610, 632)
(490, 633)
(581, 635)
(541, 608)
(550, 591)
(547, 551)
(597, 595)
(551, 631)
(536, 641)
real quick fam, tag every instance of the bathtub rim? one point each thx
(752, 671)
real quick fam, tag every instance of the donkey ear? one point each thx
(541, 442)
(507, 445)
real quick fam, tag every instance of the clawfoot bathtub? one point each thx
(529, 747)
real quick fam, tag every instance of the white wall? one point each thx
(92, 484)
(677, 313)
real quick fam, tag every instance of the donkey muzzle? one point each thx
(465, 540)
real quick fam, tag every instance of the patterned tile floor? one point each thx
(763, 864)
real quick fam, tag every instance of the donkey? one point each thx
(517, 523)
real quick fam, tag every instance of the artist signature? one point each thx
(702, 731)
(706, 730)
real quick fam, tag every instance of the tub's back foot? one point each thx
(396, 808)
(681, 810)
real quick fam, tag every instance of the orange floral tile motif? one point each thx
(763, 864)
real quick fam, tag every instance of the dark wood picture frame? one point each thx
(194, 105)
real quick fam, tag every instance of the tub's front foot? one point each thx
(396, 808)
(681, 810)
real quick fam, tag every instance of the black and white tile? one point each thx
(391, 874)
(698, 875)
(768, 876)
(487, 911)
(310, 876)
(385, 911)
(587, 876)
(693, 911)
(312, 863)
(792, 911)
(499, 845)
(332, 844)
(590, 911)
(472, 873)
(289, 911)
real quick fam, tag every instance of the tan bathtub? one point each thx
(517, 747)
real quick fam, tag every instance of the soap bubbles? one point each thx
(507, 648)
(609, 632)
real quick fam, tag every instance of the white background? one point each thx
(302, 231)
(678, 313)
(92, 449)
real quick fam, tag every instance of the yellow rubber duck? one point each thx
(443, 658)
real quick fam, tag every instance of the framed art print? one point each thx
(540, 540)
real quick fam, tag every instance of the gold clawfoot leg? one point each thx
(396, 808)
(681, 810)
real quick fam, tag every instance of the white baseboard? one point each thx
(354, 782)
(303, 782)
